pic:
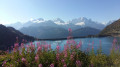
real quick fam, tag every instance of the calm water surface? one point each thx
(106, 43)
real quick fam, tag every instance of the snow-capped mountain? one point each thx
(58, 28)
(39, 20)
(84, 22)
(74, 24)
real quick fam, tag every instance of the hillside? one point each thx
(112, 29)
(43, 32)
(85, 32)
(8, 37)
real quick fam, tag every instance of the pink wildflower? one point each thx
(69, 37)
(39, 48)
(38, 43)
(62, 60)
(92, 45)
(16, 45)
(57, 56)
(64, 65)
(22, 45)
(71, 56)
(45, 47)
(78, 63)
(28, 50)
(23, 60)
(70, 30)
(49, 46)
(58, 48)
(65, 55)
(73, 52)
(40, 65)
(36, 58)
(52, 65)
(14, 50)
(32, 46)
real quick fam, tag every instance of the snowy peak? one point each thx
(74, 24)
(79, 20)
(39, 20)
(80, 23)
(59, 21)
(84, 22)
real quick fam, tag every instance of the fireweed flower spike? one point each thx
(52, 65)
(70, 31)
(58, 48)
(39, 48)
(72, 57)
(64, 65)
(22, 45)
(36, 58)
(78, 63)
(62, 60)
(49, 46)
(16, 45)
(40, 65)
(23, 60)
(57, 56)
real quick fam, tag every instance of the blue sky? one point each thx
(12, 11)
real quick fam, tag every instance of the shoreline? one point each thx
(90, 36)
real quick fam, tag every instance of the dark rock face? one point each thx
(8, 37)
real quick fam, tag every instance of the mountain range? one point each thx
(49, 29)
(73, 24)
(55, 29)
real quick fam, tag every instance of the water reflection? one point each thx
(106, 43)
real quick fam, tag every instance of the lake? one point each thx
(106, 43)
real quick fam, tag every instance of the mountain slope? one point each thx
(85, 32)
(45, 32)
(8, 37)
(112, 29)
